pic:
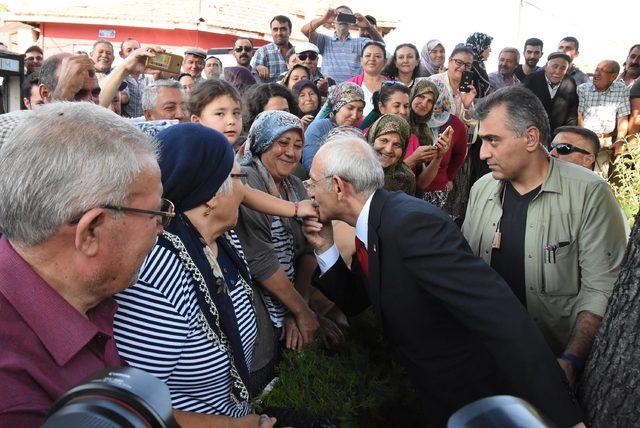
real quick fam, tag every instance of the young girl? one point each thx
(216, 104)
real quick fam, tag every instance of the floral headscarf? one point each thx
(478, 42)
(398, 176)
(266, 129)
(342, 94)
(418, 124)
(425, 59)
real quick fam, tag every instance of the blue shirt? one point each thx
(314, 134)
(270, 57)
(340, 58)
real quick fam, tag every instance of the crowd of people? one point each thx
(217, 216)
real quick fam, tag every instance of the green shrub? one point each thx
(626, 181)
(356, 385)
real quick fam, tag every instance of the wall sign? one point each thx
(106, 34)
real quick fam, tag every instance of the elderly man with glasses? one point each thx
(604, 108)
(79, 213)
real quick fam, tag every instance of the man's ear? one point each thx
(533, 138)
(45, 93)
(147, 115)
(90, 231)
(341, 187)
(195, 119)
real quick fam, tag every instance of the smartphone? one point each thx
(467, 79)
(170, 63)
(346, 17)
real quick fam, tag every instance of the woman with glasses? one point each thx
(372, 61)
(192, 318)
(280, 259)
(404, 66)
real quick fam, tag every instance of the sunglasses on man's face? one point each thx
(311, 55)
(243, 48)
(565, 149)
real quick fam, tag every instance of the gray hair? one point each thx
(62, 160)
(524, 109)
(352, 159)
(102, 42)
(49, 70)
(341, 132)
(514, 51)
(150, 94)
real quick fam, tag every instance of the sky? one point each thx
(511, 22)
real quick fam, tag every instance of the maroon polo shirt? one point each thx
(46, 345)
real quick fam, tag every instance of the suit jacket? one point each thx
(563, 108)
(454, 323)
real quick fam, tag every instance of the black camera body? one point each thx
(117, 397)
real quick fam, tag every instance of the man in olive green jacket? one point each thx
(552, 229)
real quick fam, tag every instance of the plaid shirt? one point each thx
(340, 58)
(270, 56)
(135, 88)
(601, 109)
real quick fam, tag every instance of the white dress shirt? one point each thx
(328, 258)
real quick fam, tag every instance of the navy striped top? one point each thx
(157, 329)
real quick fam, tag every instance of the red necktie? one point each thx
(363, 256)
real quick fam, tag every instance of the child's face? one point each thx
(223, 114)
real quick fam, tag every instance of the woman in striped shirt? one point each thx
(190, 319)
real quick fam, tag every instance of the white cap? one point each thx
(306, 47)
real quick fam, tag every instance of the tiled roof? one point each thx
(221, 16)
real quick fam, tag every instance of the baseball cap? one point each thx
(306, 47)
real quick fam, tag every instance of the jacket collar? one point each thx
(552, 183)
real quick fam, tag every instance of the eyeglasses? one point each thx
(33, 58)
(304, 55)
(166, 213)
(565, 149)
(243, 48)
(460, 63)
(239, 175)
(311, 183)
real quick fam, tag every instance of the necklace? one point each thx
(239, 393)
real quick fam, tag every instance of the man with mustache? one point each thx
(631, 66)
(102, 57)
(532, 54)
(243, 52)
(341, 52)
(507, 63)
(604, 108)
(556, 90)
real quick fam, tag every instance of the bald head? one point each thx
(605, 74)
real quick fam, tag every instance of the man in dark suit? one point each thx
(454, 323)
(556, 90)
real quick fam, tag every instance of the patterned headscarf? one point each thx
(398, 176)
(478, 42)
(425, 59)
(418, 124)
(342, 94)
(266, 129)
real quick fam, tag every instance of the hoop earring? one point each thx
(209, 209)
